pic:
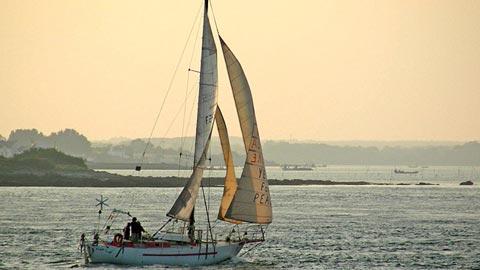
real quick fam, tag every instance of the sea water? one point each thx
(314, 227)
(444, 175)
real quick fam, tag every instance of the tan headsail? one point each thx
(251, 202)
(230, 183)
(207, 105)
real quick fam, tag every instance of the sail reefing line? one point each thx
(207, 104)
(252, 201)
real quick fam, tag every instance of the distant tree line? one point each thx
(467, 154)
(168, 151)
(68, 141)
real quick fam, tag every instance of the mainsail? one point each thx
(207, 96)
(230, 183)
(207, 104)
(251, 202)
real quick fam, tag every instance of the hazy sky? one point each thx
(326, 70)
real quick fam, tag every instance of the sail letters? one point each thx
(252, 201)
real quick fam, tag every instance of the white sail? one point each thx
(183, 206)
(207, 97)
(230, 183)
(252, 202)
(207, 104)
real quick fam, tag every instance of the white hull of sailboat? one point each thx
(187, 255)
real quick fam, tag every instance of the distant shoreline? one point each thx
(131, 166)
(105, 179)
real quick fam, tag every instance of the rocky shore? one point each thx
(50, 168)
(104, 179)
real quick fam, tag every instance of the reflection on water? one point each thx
(314, 227)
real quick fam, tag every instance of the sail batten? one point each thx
(251, 202)
(207, 104)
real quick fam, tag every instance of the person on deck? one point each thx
(126, 231)
(137, 230)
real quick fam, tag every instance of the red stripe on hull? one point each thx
(177, 255)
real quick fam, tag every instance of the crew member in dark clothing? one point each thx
(137, 230)
(126, 232)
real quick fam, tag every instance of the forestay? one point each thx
(251, 202)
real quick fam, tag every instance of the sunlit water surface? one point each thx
(322, 227)
(444, 175)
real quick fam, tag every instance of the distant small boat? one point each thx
(405, 172)
(466, 183)
(288, 167)
(217, 168)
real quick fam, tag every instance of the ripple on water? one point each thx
(314, 227)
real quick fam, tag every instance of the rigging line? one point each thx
(208, 202)
(176, 114)
(179, 164)
(187, 94)
(209, 228)
(186, 89)
(209, 176)
(170, 84)
(163, 226)
(188, 126)
(250, 249)
(182, 140)
(178, 111)
(165, 135)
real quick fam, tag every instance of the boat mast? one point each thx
(209, 227)
(191, 221)
(183, 207)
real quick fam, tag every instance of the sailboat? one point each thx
(245, 201)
